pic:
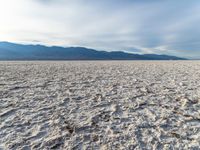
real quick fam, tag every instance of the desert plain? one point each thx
(99, 105)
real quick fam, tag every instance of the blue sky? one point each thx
(139, 26)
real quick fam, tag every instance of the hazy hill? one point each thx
(12, 51)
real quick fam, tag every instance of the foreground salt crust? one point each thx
(100, 105)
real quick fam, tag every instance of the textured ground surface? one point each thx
(100, 105)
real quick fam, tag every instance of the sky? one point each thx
(138, 26)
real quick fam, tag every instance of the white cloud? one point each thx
(168, 27)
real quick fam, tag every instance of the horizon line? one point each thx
(90, 48)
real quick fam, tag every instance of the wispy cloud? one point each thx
(142, 26)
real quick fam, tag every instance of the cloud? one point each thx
(142, 26)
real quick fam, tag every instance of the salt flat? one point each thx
(100, 105)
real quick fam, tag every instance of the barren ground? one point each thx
(100, 105)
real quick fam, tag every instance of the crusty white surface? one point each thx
(100, 105)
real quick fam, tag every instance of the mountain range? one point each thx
(13, 51)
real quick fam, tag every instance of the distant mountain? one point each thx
(12, 51)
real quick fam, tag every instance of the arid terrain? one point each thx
(100, 105)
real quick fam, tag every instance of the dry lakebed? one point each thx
(99, 105)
